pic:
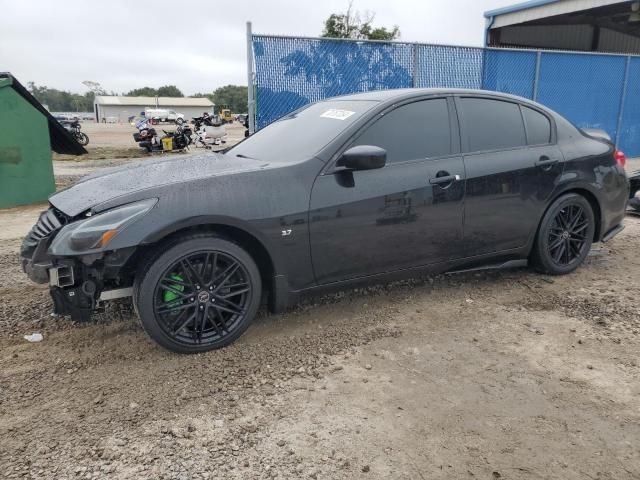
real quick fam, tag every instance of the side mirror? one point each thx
(363, 157)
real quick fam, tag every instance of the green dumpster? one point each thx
(28, 134)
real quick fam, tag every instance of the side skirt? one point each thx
(496, 266)
(515, 258)
(612, 233)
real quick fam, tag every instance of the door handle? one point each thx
(545, 161)
(444, 179)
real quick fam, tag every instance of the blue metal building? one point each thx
(578, 25)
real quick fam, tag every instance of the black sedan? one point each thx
(357, 188)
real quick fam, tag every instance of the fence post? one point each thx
(622, 99)
(251, 103)
(536, 79)
(416, 65)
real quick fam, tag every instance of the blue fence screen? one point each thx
(591, 90)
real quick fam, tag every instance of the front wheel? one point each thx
(565, 235)
(179, 121)
(199, 294)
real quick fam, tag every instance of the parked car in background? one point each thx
(69, 117)
(353, 189)
(634, 191)
(158, 115)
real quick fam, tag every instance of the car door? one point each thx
(512, 165)
(405, 214)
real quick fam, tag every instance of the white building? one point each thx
(120, 109)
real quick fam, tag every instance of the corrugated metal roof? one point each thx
(151, 101)
(517, 7)
(61, 140)
(536, 9)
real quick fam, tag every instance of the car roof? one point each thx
(401, 94)
(404, 93)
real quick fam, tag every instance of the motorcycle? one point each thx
(144, 129)
(147, 138)
(74, 128)
(209, 131)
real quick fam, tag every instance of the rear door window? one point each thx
(538, 127)
(491, 124)
(414, 131)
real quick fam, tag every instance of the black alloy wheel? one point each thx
(568, 234)
(565, 235)
(199, 295)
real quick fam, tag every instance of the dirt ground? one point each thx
(494, 375)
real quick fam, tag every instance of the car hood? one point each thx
(109, 183)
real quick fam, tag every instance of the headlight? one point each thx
(99, 230)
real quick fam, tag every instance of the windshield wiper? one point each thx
(240, 155)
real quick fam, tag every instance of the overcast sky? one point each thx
(197, 45)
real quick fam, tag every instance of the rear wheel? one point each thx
(199, 294)
(565, 235)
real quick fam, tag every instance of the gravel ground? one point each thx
(494, 375)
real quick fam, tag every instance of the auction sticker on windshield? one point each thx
(337, 114)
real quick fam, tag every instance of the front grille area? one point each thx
(49, 222)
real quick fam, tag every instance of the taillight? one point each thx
(620, 158)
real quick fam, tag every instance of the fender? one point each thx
(221, 220)
(569, 185)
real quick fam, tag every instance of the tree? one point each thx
(94, 87)
(203, 95)
(353, 25)
(164, 91)
(60, 100)
(169, 91)
(231, 96)
(142, 92)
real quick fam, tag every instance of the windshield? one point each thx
(303, 133)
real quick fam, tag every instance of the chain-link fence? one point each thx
(591, 90)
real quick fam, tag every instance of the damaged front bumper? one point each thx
(77, 284)
(72, 292)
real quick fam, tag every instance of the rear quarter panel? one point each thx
(590, 165)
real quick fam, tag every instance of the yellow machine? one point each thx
(225, 115)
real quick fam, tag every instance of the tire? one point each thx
(179, 121)
(82, 138)
(198, 293)
(564, 236)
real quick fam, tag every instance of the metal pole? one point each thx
(416, 65)
(251, 103)
(536, 79)
(622, 99)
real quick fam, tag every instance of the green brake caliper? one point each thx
(169, 297)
